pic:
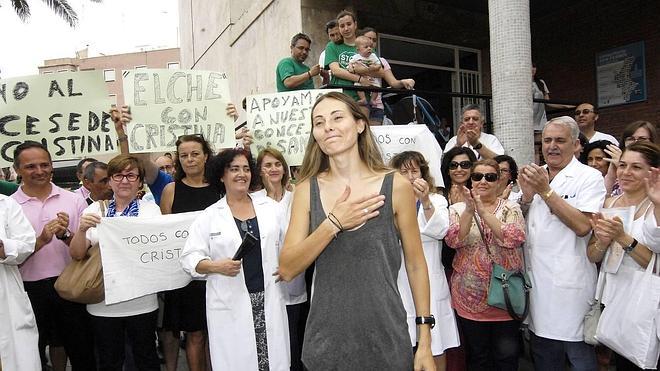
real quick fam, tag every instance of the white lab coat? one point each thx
(213, 235)
(18, 328)
(563, 279)
(297, 287)
(445, 333)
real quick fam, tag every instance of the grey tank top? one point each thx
(357, 320)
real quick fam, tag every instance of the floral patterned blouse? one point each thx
(473, 265)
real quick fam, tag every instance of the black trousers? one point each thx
(297, 315)
(111, 334)
(491, 345)
(62, 323)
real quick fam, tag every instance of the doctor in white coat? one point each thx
(560, 199)
(433, 220)
(240, 295)
(18, 328)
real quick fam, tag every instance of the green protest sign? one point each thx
(282, 121)
(166, 104)
(68, 112)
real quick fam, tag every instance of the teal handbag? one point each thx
(508, 290)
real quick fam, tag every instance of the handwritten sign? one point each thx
(143, 258)
(68, 112)
(282, 121)
(394, 139)
(166, 104)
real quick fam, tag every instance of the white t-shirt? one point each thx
(488, 140)
(602, 136)
(651, 233)
(141, 305)
(371, 60)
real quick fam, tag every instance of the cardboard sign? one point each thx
(282, 121)
(166, 104)
(143, 258)
(68, 112)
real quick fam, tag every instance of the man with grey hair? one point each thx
(469, 135)
(559, 199)
(96, 180)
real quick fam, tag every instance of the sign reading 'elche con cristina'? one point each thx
(166, 104)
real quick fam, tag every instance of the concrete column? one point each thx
(510, 64)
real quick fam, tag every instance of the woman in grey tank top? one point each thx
(350, 217)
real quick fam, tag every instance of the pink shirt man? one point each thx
(51, 259)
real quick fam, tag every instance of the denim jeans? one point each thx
(551, 355)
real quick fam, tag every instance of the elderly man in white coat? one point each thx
(560, 198)
(212, 243)
(18, 328)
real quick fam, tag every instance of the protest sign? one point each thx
(282, 121)
(67, 111)
(166, 104)
(143, 258)
(394, 139)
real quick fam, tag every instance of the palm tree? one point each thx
(60, 7)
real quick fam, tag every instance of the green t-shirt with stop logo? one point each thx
(340, 53)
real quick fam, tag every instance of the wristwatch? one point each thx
(65, 236)
(630, 247)
(478, 146)
(426, 320)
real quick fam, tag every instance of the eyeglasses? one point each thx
(585, 111)
(637, 139)
(463, 164)
(131, 177)
(490, 177)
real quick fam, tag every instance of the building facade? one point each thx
(443, 45)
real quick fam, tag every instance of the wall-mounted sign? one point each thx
(621, 75)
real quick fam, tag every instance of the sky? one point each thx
(110, 27)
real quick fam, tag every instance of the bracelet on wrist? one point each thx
(547, 194)
(309, 74)
(122, 137)
(335, 221)
(359, 78)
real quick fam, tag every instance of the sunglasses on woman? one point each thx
(463, 164)
(490, 177)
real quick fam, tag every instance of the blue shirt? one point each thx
(159, 184)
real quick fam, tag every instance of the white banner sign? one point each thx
(141, 256)
(394, 139)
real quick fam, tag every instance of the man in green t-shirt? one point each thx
(337, 56)
(292, 73)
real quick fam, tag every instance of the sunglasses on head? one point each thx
(463, 164)
(490, 177)
(585, 111)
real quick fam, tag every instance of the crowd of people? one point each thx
(356, 264)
